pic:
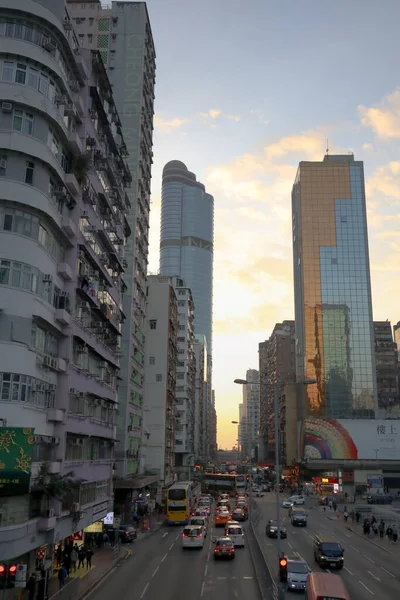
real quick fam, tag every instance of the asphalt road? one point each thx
(369, 571)
(160, 568)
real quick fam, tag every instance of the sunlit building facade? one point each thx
(333, 307)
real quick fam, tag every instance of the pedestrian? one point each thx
(41, 592)
(74, 558)
(106, 539)
(389, 533)
(89, 555)
(31, 587)
(394, 534)
(67, 563)
(381, 529)
(62, 576)
(81, 556)
(345, 515)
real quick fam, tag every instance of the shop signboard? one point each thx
(15, 460)
(78, 536)
(349, 439)
(375, 481)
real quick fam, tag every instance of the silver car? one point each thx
(297, 573)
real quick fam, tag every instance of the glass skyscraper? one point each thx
(186, 244)
(333, 307)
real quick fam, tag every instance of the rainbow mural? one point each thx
(326, 438)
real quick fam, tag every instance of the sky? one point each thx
(244, 91)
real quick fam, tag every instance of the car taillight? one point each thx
(184, 535)
(126, 532)
(216, 549)
(232, 550)
(198, 535)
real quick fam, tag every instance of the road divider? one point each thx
(266, 582)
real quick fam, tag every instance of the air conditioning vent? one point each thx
(6, 107)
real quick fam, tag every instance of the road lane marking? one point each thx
(205, 571)
(388, 572)
(355, 549)
(155, 570)
(171, 546)
(165, 534)
(348, 570)
(247, 578)
(178, 536)
(290, 545)
(222, 578)
(164, 557)
(370, 559)
(328, 571)
(374, 576)
(144, 591)
(202, 588)
(368, 590)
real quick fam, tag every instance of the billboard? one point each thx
(15, 460)
(349, 439)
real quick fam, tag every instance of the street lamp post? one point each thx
(281, 591)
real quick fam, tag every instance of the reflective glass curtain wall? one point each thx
(333, 307)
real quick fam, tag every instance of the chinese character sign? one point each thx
(15, 460)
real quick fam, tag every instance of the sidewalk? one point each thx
(82, 581)
(384, 544)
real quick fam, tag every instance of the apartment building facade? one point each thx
(160, 380)
(185, 382)
(122, 34)
(63, 230)
(387, 368)
(200, 411)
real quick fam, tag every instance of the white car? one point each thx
(202, 521)
(298, 500)
(235, 533)
(229, 523)
(193, 536)
(288, 503)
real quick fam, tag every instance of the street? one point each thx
(369, 571)
(160, 568)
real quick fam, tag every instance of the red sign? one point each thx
(348, 477)
(326, 480)
(78, 536)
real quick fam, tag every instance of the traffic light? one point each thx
(12, 570)
(3, 575)
(283, 569)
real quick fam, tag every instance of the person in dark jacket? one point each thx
(31, 587)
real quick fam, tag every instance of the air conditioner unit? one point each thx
(46, 361)
(75, 507)
(49, 46)
(48, 277)
(6, 107)
(49, 513)
(3, 163)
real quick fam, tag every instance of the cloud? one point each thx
(260, 318)
(216, 113)
(385, 118)
(260, 116)
(169, 125)
(384, 183)
(368, 147)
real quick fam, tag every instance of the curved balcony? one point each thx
(19, 192)
(28, 145)
(28, 96)
(85, 425)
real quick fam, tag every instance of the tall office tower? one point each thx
(251, 404)
(62, 236)
(386, 369)
(123, 35)
(160, 380)
(186, 246)
(200, 353)
(333, 309)
(277, 365)
(185, 385)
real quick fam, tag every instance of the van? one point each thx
(235, 533)
(328, 552)
(320, 586)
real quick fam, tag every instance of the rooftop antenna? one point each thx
(327, 147)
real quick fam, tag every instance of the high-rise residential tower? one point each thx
(186, 248)
(122, 34)
(277, 365)
(251, 406)
(62, 237)
(333, 308)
